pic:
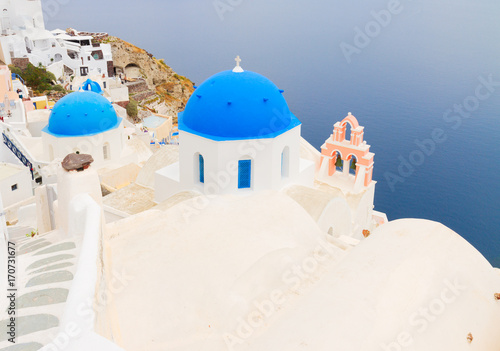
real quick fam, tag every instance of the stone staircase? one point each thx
(46, 269)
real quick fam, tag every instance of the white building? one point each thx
(237, 136)
(21, 15)
(84, 122)
(24, 36)
(112, 88)
(15, 183)
(82, 55)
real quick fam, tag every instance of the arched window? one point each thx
(339, 163)
(5, 21)
(105, 151)
(285, 162)
(352, 166)
(201, 163)
(348, 131)
(244, 174)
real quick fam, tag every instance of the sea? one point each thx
(422, 77)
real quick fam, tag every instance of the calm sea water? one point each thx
(427, 58)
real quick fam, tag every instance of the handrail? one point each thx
(18, 154)
(17, 76)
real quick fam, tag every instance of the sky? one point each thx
(273, 36)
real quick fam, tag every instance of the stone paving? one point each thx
(45, 271)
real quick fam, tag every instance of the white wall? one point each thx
(24, 188)
(4, 236)
(221, 165)
(6, 154)
(37, 120)
(336, 218)
(167, 182)
(363, 213)
(22, 13)
(31, 13)
(69, 186)
(221, 161)
(118, 94)
(92, 145)
(18, 113)
(81, 207)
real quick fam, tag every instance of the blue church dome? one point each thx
(82, 113)
(90, 85)
(237, 105)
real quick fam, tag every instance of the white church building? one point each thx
(84, 122)
(237, 135)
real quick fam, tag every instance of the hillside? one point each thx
(152, 83)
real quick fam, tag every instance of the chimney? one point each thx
(75, 177)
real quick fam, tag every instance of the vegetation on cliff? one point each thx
(38, 79)
(132, 109)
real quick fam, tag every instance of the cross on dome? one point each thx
(238, 68)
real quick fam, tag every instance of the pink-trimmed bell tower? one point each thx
(354, 153)
(346, 164)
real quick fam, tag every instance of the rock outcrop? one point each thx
(77, 162)
(164, 91)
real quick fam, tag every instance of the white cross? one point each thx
(238, 68)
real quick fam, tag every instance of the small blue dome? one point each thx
(233, 105)
(90, 85)
(82, 113)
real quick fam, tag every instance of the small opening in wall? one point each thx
(201, 161)
(348, 131)
(14, 187)
(339, 163)
(105, 151)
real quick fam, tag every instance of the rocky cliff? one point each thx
(152, 82)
